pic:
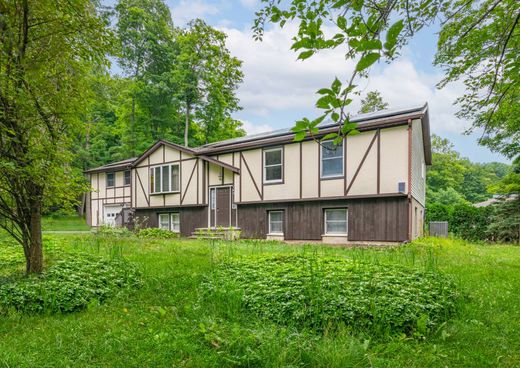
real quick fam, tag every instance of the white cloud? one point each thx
(276, 83)
(250, 4)
(186, 10)
(251, 128)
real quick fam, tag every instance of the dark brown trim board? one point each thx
(378, 161)
(142, 188)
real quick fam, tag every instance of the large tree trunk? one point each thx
(187, 125)
(34, 254)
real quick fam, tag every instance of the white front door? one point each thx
(111, 212)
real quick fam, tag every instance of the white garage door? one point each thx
(111, 212)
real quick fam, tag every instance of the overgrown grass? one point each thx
(170, 322)
(64, 223)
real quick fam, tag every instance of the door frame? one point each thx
(231, 193)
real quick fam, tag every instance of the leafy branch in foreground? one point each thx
(478, 44)
(367, 31)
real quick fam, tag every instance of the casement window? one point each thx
(273, 165)
(165, 179)
(336, 220)
(275, 222)
(128, 177)
(170, 221)
(111, 179)
(331, 159)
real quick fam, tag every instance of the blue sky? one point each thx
(278, 90)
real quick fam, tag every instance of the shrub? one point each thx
(153, 232)
(69, 285)
(320, 292)
(107, 230)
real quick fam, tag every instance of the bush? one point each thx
(153, 232)
(69, 285)
(322, 292)
(107, 230)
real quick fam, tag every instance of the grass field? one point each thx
(64, 223)
(167, 322)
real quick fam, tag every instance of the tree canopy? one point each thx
(372, 102)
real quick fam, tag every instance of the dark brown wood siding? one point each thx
(190, 217)
(372, 219)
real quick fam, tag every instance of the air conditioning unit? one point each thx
(401, 187)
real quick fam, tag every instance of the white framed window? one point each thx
(331, 159)
(127, 177)
(275, 222)
(164, 221)
(165, 179)
(336, 221)
(273, 165)
(111, 178)
(170, 221)
(175, 222)
(213, 198)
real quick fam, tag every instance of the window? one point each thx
(165, 179)
(273, 161)
(331, 159)
(336, 221)
(128, 177)
(175, 178)
(175, 219)
(110, 179)
(423, 170)
(275, 222)
(170, 221)
(164, 221)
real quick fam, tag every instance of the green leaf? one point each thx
(347, 127)
(357, 5)
(337, 141)
(393, 33)
(324, 91)
(342, 22)
(300, 136)
(323, 102)
(367, 60)
(305, 54)
(329, 136)
(335, 117)
(336, 85)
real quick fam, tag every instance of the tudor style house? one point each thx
(369, 188)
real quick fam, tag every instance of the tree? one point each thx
(47, 48)
(146, 35)
(206, 77)
(479, 43)
(372, 102)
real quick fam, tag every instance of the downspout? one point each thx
(409, 179)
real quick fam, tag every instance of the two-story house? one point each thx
(369, 188)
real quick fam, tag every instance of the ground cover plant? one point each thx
(69, 285)
(168, 321)
(324, 292)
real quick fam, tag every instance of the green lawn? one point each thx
(168, 323)
(64, 223)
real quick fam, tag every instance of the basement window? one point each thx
(331, 159)
(170, 221)
(336, 220)
(275, 222)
